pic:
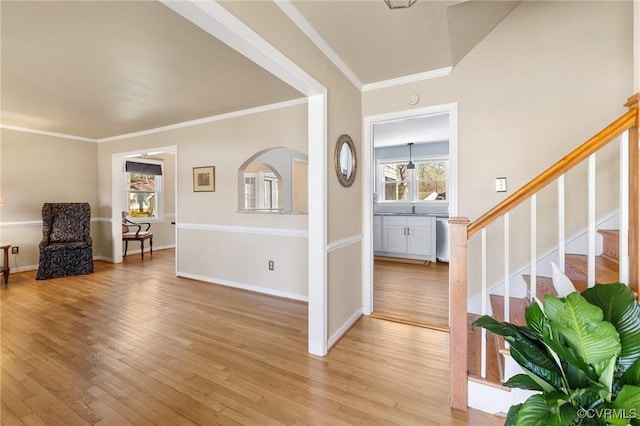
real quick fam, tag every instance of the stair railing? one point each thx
(461, 230)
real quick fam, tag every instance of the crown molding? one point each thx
(46, 133)
(305, 26)
(220, 117)
(412, 78)
(234, 114)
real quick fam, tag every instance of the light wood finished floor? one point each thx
(414, 293)
(133, 344)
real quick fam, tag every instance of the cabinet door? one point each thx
(395, 238)
(421, 238)
(377, 233)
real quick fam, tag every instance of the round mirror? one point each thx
(345, 160)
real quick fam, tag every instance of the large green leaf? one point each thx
(545, 410)
(628, 399)
(537, 360)
(529, 353)
(632, 375)
(581, 325)
(524, 381)
(620, 308)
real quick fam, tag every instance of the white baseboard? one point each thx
(249, 287)
(344, 328)
(494, 400)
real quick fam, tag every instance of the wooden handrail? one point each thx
(613, 130)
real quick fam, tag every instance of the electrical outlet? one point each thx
(271, 265)
(15, 250)
(501, 184)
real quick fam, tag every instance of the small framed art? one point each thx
(204, 179)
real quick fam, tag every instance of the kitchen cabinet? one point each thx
(413, 237)
(377, 233)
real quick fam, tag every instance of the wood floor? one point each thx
(133, 344)
(417, 294)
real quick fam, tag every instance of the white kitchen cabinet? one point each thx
(407, 236)
(377, 233)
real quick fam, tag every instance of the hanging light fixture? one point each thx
(410, 165)
(400, 4)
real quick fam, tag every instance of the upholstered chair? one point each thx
(65, 248)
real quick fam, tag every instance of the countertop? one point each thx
(437, 215)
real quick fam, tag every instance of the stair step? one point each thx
(517, 306)
(474, 350)
(576, 270)
(610, 243)
(544, 286)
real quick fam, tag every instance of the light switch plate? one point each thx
(501, 184)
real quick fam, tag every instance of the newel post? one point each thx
(458, 311)
(634, 197)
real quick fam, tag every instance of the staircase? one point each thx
(480, 362)
(607, 271)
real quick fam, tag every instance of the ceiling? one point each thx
(98, 69)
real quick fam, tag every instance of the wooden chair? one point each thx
(132, 231)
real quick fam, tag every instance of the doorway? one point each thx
(406, 274)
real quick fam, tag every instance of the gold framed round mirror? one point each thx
(345, 160)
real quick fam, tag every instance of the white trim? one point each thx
(305, 26)
(344, 327)
(281, 232)
(117, 194)
(368, 188)
(441, 72)
(220, 117)
(20, 224)
(46, 133)
(137, 251)
(184, 124)
(38, 223)
(243, 286)
(345, 242)
(318, 316)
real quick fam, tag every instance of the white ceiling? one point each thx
(427, 128)
(98, 69)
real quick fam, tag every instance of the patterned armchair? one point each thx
(65, 248)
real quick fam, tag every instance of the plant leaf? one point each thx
(546, 410)
(582, 326)
(620, 308)
(512, 415)
(504, 329)
(632, 375)
(628, 399)
(536, 360)
(524, 381)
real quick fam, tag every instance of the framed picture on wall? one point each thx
(204, 179)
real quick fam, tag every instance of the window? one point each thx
(427, 182)
(144, 185)
(260, 191)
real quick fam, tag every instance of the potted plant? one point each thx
(581, 353)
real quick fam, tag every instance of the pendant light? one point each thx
(410, 165)
(399, 4)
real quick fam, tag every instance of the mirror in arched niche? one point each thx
(274, 180)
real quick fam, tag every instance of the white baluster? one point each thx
(591, 214)
(534, 262)
(561, 230)
(623, 249)
(506, 269)
(485, 296)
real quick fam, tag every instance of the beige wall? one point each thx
(215, 242)
(544, 80)
(36, 169)
(344, 218)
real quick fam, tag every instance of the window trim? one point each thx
(159, 190)
(413, 179)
